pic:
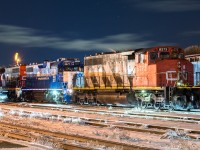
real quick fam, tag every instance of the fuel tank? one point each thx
(116, 98)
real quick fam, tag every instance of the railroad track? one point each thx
(126, 114)
(69, 137)
(124, 125)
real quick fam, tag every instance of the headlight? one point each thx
(70, 91)
(3, 97)
(180, 83)
(55, 92)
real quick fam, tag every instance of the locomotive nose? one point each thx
(178, 72)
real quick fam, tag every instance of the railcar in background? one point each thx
(195, 60)
(195, 90)
(2, 70)
(3, 94)
(11, 79)
(148, 77)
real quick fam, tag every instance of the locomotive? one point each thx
(48, 81)
(156, 77)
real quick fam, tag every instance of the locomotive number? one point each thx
(163, 49)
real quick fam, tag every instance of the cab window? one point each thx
(153, 56)
(181, 55)
(164, 55)
(141, 58)
(174, 54)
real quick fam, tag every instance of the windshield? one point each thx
(164, 55)
(153, 56)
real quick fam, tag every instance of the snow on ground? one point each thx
(171, 140)
(12, 144)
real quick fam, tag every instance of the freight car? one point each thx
(150, 77)
(48, 81)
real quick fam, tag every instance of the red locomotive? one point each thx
(148, 77)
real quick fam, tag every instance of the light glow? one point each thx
(16, 56)
(180, 83)
(55, 92)
(70, 91)
(17, 59)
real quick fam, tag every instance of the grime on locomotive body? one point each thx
(151, 77)
(48, 81)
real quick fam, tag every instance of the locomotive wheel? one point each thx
(81, 102)
(94, 102)
(91, 102)
(157, 105)
(143, 104)
(138, 103)
(170, 106)
(179, 104)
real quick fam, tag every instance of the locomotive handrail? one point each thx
(102, 87)
(125, 87)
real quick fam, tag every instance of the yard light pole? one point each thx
(17, 59)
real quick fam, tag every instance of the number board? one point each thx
(69, 63)
(163, 49)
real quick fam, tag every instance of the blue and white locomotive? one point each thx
(50, 81)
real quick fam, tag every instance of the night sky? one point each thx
(48, 29)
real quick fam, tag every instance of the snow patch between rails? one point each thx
(24, 114)
(178, 134)
(118, 134)
(73, 120)
(1, 114)
(39, 115)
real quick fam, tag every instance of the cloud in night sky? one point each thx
(28, 37)
(168, 5)
(192, 33)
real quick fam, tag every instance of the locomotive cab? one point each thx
(161, 69)
(161, 53)
(162, 66)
